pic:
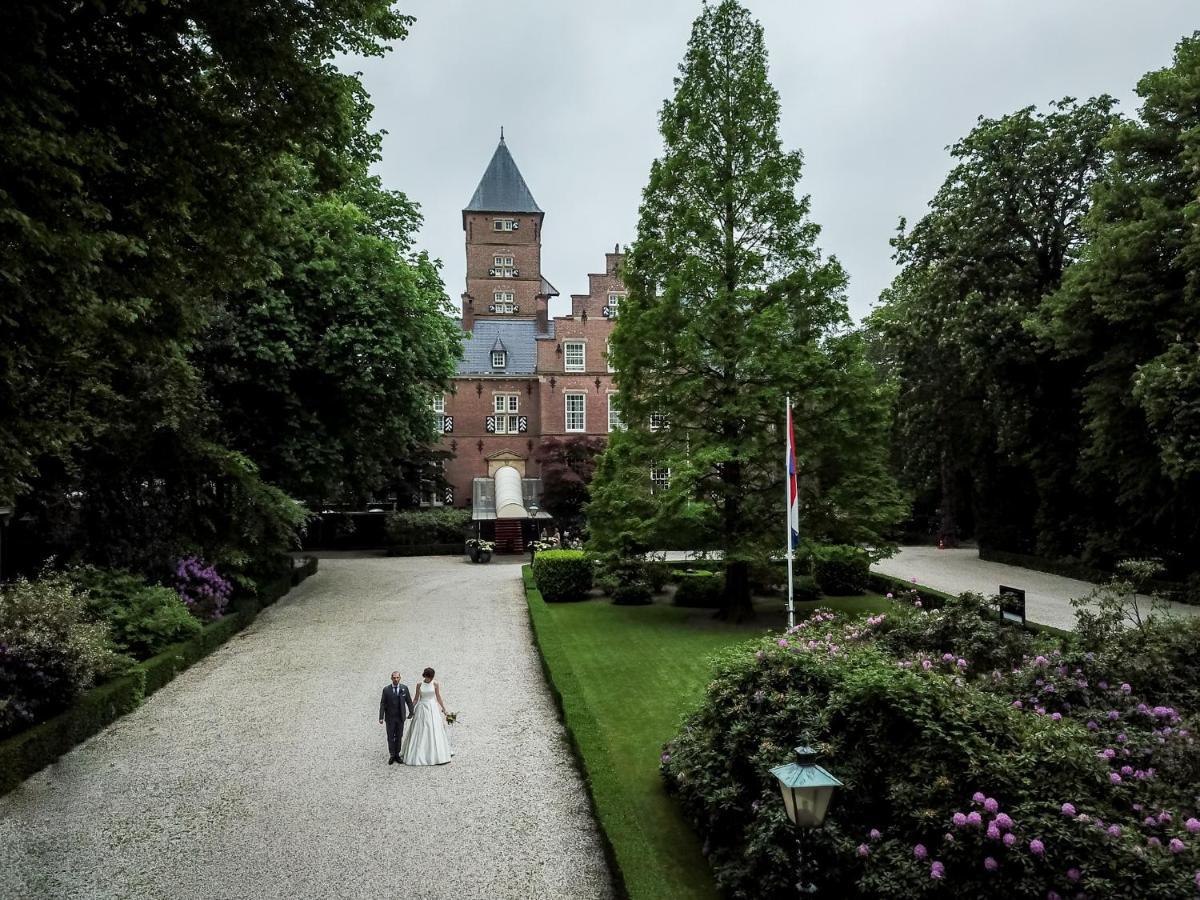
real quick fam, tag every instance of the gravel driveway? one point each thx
(261, 771)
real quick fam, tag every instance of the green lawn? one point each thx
(626, 676)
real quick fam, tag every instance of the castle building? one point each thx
(523, 375)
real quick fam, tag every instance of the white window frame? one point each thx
(499, 359)
(607, 357)
(504, 301)
(505, 407)
(614, 303)
(439, 404)
(568, 365)
(504, 224)
(614, 414)
(581, 424)
(657, 421)
(660, 479)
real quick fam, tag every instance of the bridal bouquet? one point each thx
(451, 718)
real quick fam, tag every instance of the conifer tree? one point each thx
(731, 306)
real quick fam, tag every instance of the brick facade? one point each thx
(541, 393)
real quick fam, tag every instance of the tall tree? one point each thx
(1129, 313)
(731, 306)
(987, 414)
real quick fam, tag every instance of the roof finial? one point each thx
(502, 134)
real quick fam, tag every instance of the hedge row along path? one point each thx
(261, 771)
(1047, 597)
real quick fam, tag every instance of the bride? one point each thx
(425, 740)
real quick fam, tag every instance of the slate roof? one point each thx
(517, 339)
(502, 189)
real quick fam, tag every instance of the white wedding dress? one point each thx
(426, 742)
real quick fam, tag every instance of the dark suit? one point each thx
(394, 706)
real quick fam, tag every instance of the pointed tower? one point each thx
(503, 227)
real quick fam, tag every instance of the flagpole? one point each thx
(787, 507)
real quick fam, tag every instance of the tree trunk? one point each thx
(738, 607)
(948, 531)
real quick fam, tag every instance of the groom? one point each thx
(394, 706)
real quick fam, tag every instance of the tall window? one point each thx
(499, 359)
(502, 267)
(608, 355)
(504, 225)
(614, 414)
(573, 356)
(502, 302)
(439, 413)
(575, 407)
(439, 404)
(506, 407)
(660, 479)
(614, 304)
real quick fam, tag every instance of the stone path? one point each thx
(1047, 597)
(260, 772)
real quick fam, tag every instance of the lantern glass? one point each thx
(806, 788)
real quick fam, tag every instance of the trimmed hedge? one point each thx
(841, 570)
(35, 748)
(636, 593)
(700, 589)
(563, 575)
(428, 526)
(455, 549)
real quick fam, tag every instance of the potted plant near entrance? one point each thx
(480, 551)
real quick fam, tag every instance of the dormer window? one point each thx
(499, 359)
(504, 225)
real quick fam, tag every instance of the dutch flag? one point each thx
(793, 492)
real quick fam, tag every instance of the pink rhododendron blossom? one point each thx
(990, 864)
(1125, 688)
(864, 850)
(1192, 825)
(959, 820)
(1068, 809)
(937, 870)
(1114, 777)
(783, 642)
(1114, 830)
(977, 797)
(1036, 847)
(874, 834)
(1176, 845)
(973, 818)
(1073, 875)
(1010, 839)
(993, 831)
(1004, 821)
(919, 851)
(990, 804)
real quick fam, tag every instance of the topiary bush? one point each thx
(443, 525)
(700, 589)
(49, 650)
(841, 570)
(563, 575)
(634, 593)
(1044, 779)
(143, 619)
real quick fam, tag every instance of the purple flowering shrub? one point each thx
(961, 780)
(204, 592)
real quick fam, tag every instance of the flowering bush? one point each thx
(1034, 774)
(203, 591)
(49, 651)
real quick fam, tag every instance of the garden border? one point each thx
(28, 752)
(583, 719)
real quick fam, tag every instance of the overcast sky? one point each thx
(872, 92)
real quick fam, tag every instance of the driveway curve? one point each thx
(261, 771)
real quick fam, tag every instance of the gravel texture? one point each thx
(1047, 597)
(261, 771)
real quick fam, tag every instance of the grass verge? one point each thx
(625, 676)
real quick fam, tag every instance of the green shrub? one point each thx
(635, 593)
(920, 738)
(841, 570)
(428, 526)
(613, 572)
(657, 576)
(563, 575)
(49, 651)
(702, 589)
(142, 619)
(804, 588)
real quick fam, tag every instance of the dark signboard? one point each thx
(1012, 604)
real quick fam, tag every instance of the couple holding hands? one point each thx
(427, 742)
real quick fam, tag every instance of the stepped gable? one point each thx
(502, 189)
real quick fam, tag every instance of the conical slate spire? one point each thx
(502, 189)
